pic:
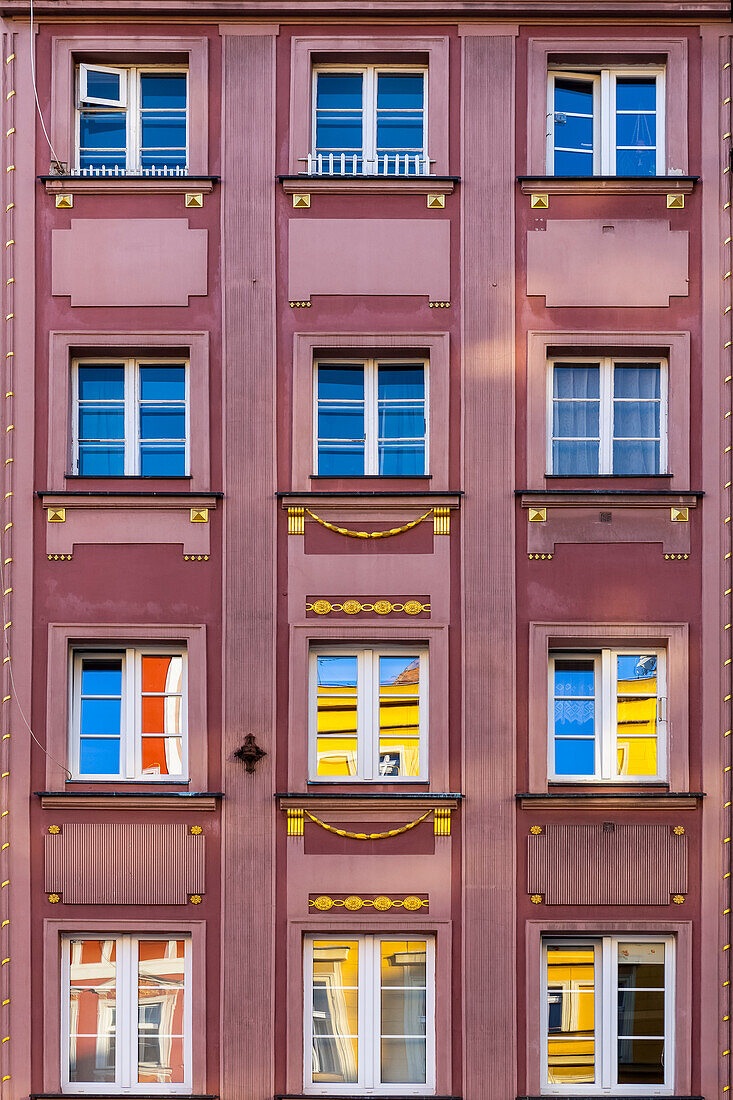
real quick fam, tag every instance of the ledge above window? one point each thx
(129, 800)
(611, 800)
(128, 185)
(607, 185)
(368, 185)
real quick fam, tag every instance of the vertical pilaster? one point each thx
(488, 567)
(248, 258)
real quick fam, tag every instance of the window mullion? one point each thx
(608, 126)
(371, 417)
(608, 1025)
(124, 1044)
(130, 461)
(369, 120)
(364, 715)
(608, 716)
(423, 698)
(134, 122)
(606, 416)
(132, 713)
(371, 1044)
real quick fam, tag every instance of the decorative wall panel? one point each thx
(120, 864)
(597, 865)
(369, 256)
(607, 263)
(129, 261)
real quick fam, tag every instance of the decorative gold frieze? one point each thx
(540, 557)
(355, 607)
(353, 903)
(357, 836)
(295, 822)
(191, 557)
(300, 305)
(59, 557)
(371, 534)
(676, 557)
(439, 305)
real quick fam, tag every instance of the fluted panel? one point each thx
(120, 864)
(592, 865)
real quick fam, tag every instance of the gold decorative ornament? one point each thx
(436, 202)
(195, 899)
(54, 898)
(194, 198)
(679, 515)
(59, 557)
(675, 202)
(54, 828)
(296, 521)
(535, 830)
(64, 202)
(678, 830)
(196, 830)
(441, 521)
(301, 202)
(353, 903)
(191, 557)
(56, 515)
(676, 557)
(536, 899)
(199, 515)
(295, 822)
(347, 531)
(379, 607)
(537, 515)
(678, 899)
(539, 201)
(441, 821)
(439, 305)
(300, 305)
(540, 557)
(356, 836)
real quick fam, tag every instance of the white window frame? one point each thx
(606, 1015)
(367, 711)
(126, 1015)
(131, 408)
(130, 103)
(131, 715)
(606, 364)
(371, 408)
(369, 1046)
(370, 73)
(604, 112)
(605, 680)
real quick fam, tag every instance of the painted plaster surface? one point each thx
(617, 262)
(369, 256)
(128, 262)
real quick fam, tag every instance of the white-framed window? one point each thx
(607, 415)
(132, 120)
(130, 417)
(606, 121)
(126, 1013)
(368, 713)
(370, 417)
(369, 120)
(369, 1014)
(608, 1015)
(608, 715)
(128, 714)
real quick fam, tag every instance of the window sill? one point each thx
(368, 185)
(129, 800)
(607, 185)
(610, 800)
(619, 498)
(368, 800)
(127, 185)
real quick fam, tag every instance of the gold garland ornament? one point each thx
(369, 534)
(366, 836)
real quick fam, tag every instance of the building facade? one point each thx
(366, 561)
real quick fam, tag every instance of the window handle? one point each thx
(662, 708)
(560, 118)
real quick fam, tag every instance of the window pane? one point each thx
(573, 163)
(399, 422)
(102, 383)
(336, 743)
(399, 133)
(636, 755)
(577, 457)
(339, 91)
(103, 130)
(161, 994)
(636, 93)
(637, 381)
(403, 1009)
(573, 127)
(99, 756)
(576, 419)
(574, 96)
(97, 422)
(101, 461)
(638, 131)
(163, 90)
(400, 91)
(163, 383)
(157, 461)
(92, 1011)
(633, 419)
(402, 459)
(640, 1012)
(340, 460)
(400, 382)
(335, 1020)
(635, 456)
(573, 133)
(641, 1061)
(636, 162)
(574, 756)
(581, 381)
(162, 131)
(101, 85)
(341, 422)
(571, 1015)
(162, 707)
(338, 113)
(399, 716)
(162, 422)
(641, 965)
(341, 383)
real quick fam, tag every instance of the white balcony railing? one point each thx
(115, 170)
(353, 164)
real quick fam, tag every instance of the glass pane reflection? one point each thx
(403, 1011)
(92, 1011)
(335, 1018)
(636, 714)
(336, 743)
(571, 1014)
(399, 715)
(161, 1011)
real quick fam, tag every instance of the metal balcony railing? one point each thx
(354, 164)
(164, 170)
